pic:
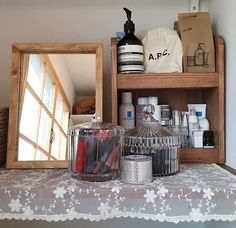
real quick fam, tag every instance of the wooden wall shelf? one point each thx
(156, 81)
(178, 90)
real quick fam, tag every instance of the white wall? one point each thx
(76, 21)
(224, 17)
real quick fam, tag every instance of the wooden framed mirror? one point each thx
(53, 86)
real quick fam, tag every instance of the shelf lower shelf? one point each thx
(167, 80)
(192, 155)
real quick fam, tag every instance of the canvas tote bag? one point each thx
(162, 51)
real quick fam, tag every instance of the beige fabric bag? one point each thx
(162, 51)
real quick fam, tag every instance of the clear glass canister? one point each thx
(150, 138)
(95, 148)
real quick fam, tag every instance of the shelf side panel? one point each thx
(114, 108)
(220, 62)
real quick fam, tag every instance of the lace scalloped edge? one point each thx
(92, 218)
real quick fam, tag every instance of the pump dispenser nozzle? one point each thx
(129, 26)
(128, 12)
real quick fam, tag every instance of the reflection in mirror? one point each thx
(45, 111)
(56, 91)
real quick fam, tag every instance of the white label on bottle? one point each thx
(126, 116)
(130, 49)
(130, 58)
(130, 68)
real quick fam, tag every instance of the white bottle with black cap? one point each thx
(126, 111)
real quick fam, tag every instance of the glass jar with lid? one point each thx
(150, 138)
(95, 148)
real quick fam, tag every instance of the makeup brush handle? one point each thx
(81, 156)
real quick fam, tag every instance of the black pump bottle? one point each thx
(130, 49)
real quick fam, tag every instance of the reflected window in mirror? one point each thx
(45, 112)
(48, 83)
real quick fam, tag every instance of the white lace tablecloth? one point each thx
(199, 192)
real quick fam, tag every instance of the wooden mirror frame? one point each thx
(18, 51)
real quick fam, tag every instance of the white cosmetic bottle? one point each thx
(192, 125)
(157, 114)
(126, 111)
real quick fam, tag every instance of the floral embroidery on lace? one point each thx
(59, 192)
(15, 205)
(200, 192)
(150, 196)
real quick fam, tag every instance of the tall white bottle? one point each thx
(126, 111)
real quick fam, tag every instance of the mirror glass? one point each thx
(56, 89)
